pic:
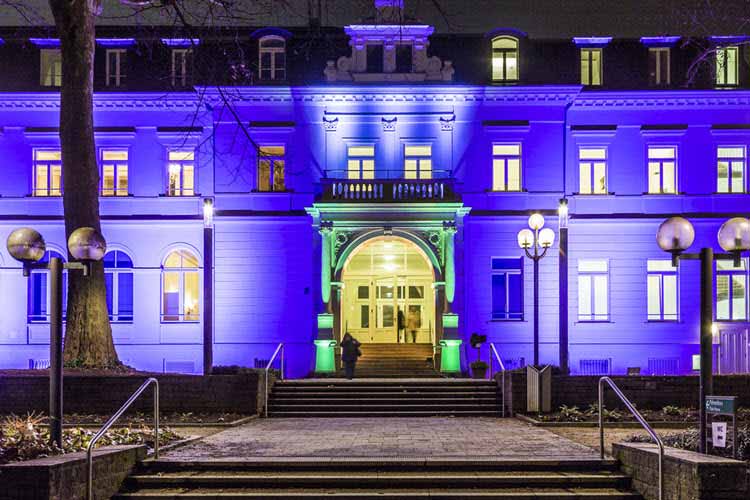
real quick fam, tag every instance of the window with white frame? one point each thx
(39, 291)
(47, 172)
(730, 169)
(181, 66)
(50, 74)
(662, 170)
(505, 59)
(506, 167)
(271, 164)
(360, 162)
(662, 290)
(418, 161)
(115, 74)
(181, 173)
(731, 291)
(114, 175)
(593, 290)
(118, 278)
(727, 61)
(272, 57)
(592, 167)
(180, 285)
(659, 66)
(591, 66)
(507, 288)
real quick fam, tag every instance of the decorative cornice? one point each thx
(662, 99)
(51, 100)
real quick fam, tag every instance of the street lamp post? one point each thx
(27, 246)
(540, 240)
(675, 235)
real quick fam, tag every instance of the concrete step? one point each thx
(367, 413)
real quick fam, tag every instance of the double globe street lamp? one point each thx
(539, 240)
(27, 246)
(675, 235)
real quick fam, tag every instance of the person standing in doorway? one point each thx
(413, 324)
(401, 326)
(349, 354)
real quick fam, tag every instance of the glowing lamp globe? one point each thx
(734, 235)
(26, 245)
(85, 243)
(536, 221)
(546, 237)
(525, 238)
(675, 234)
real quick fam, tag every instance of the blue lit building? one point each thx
(389, 173)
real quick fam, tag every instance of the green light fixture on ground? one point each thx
(450, 356)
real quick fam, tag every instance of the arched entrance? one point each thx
(384, 278)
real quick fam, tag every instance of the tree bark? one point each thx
(88, 336)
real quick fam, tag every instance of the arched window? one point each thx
(180, 284)
(505, 59)
(39, 292)
(118, 276)
(272, 58)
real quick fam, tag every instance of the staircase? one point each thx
(365, 479)
(395, 361)
(384, 398)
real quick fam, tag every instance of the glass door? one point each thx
(385, 310)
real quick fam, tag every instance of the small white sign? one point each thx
(719, 434)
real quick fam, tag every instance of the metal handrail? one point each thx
(493, 350)
(112, 420)
(280, 347)
(640, 420)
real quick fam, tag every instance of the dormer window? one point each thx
(50, 67)
(272, 58)
(591, 67)
(505, 59)
(726, 66)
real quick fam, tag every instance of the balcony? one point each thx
(388, 191)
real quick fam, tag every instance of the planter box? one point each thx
(63, 477)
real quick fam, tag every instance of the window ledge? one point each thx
(257, 191)
(507, 321)
(520, 191)
(594, 195)
(587, 321)
(180, 322)
(657, 321)
(164, 195)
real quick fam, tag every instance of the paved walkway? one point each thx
(384, 437)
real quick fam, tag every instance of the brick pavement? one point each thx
(384, 437)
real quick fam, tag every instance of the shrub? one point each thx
(571, 414)
(688, 440)
(612, 415)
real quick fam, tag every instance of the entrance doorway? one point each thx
(387, 293)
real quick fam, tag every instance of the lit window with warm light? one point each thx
(730, 169)
(591, 66)
(114, 168)
(592, 168)
(50, 67)
(418, 161)
(505, 59)
(727, 63)
(182, 59)
(181, 173)
(115, 67)
(506, 167)
(47, 172)
(360, 162)
(180, 287)
(659, 73)
(271, 163)
(662, 170)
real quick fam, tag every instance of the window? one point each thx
(181, 67)
(403, 58)
(592, 165)
(180, 287)
(181, 172)
(731, 291)
(593, 290)
(272, 57)
(506, 167)
(591, 67)
(730, 164)
(39, 292)
(118, 277)
(114, 172)
(507, 289)
(726, 66)
(47, 172)
(505, 59)
(50, 68)
(375, 58)
(271, 168)
(662, 290)
(115, 76)
(662, 170)
(658, 66)
(418, 162)
(360, 162)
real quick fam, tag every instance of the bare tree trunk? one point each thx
(88, 338)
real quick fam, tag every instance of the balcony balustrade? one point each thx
(388, 190)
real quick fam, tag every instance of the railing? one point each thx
(501, 365)
(111, 421)
(388, 190)
(280, 347)
(640, 420)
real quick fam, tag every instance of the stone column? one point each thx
(450, 357)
